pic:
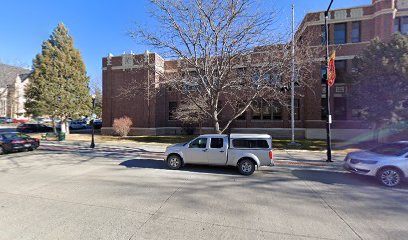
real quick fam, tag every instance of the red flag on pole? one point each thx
(332, 69)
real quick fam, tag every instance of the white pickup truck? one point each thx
(244, 151)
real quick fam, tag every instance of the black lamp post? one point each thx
(329, 119)
(92, 122)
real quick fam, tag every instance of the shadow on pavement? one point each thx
(313, 175)
(336, 178)
(158, 164)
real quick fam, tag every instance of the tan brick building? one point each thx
(350, 31)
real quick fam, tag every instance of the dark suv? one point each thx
(33, 128)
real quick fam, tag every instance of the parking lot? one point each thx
(125, 192)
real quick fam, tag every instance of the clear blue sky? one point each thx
(99, 26)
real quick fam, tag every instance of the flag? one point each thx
(332, 69)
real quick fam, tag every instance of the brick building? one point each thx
(350, 30)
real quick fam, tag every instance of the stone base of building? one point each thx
(357, 135)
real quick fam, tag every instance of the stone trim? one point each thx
(350, 19)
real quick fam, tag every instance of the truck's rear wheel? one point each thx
(246, 166)
(174, 162)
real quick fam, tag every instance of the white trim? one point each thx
(350, 19)
(362, 6)
(268, 129)
(349, 57)
(401, 13)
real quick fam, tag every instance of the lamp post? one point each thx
(329, 119)
(92, 122)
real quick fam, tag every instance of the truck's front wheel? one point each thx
(174, 162)
(246, 167)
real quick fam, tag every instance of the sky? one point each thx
(100, 27)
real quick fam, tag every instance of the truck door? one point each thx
(217, 151)
(196, 153)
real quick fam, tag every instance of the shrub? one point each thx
(121, 126)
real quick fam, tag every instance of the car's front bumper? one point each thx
(361, 169)
(19, 147)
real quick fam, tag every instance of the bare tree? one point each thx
(220, 68)
(96, 90)
(190, 115)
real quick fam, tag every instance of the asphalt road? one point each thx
(125, 192)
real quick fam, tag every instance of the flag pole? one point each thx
(329, 118)
(292, 87)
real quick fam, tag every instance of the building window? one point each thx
(277, 111)
(243, 115)
(340, 33)
(340, 109)
(357, 113)
(323, 108)
(396, 25)
(356, 32)
(401, 25)
(341, 71)
(241, 74)
(266, 111)
(256, 110)
(261, 110)
(275, 79)
(172, 110)
(323, 70)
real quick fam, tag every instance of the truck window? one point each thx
(199, 143)
(250, 143)
(217, 143)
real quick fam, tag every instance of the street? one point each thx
(125, 192)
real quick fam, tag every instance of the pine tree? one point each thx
(59, 87)
(380, 83)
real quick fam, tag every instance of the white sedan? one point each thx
(387, 162)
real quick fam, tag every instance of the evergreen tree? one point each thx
(59, 85)
(98, 102)
(380, 86)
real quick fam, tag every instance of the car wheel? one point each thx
(2, 151)
(174, 162)
(246, 167)
(390, 177)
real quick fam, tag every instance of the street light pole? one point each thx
(329, 118)
(293, 76)
(92, 122)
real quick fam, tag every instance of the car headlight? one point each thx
(368, 161)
